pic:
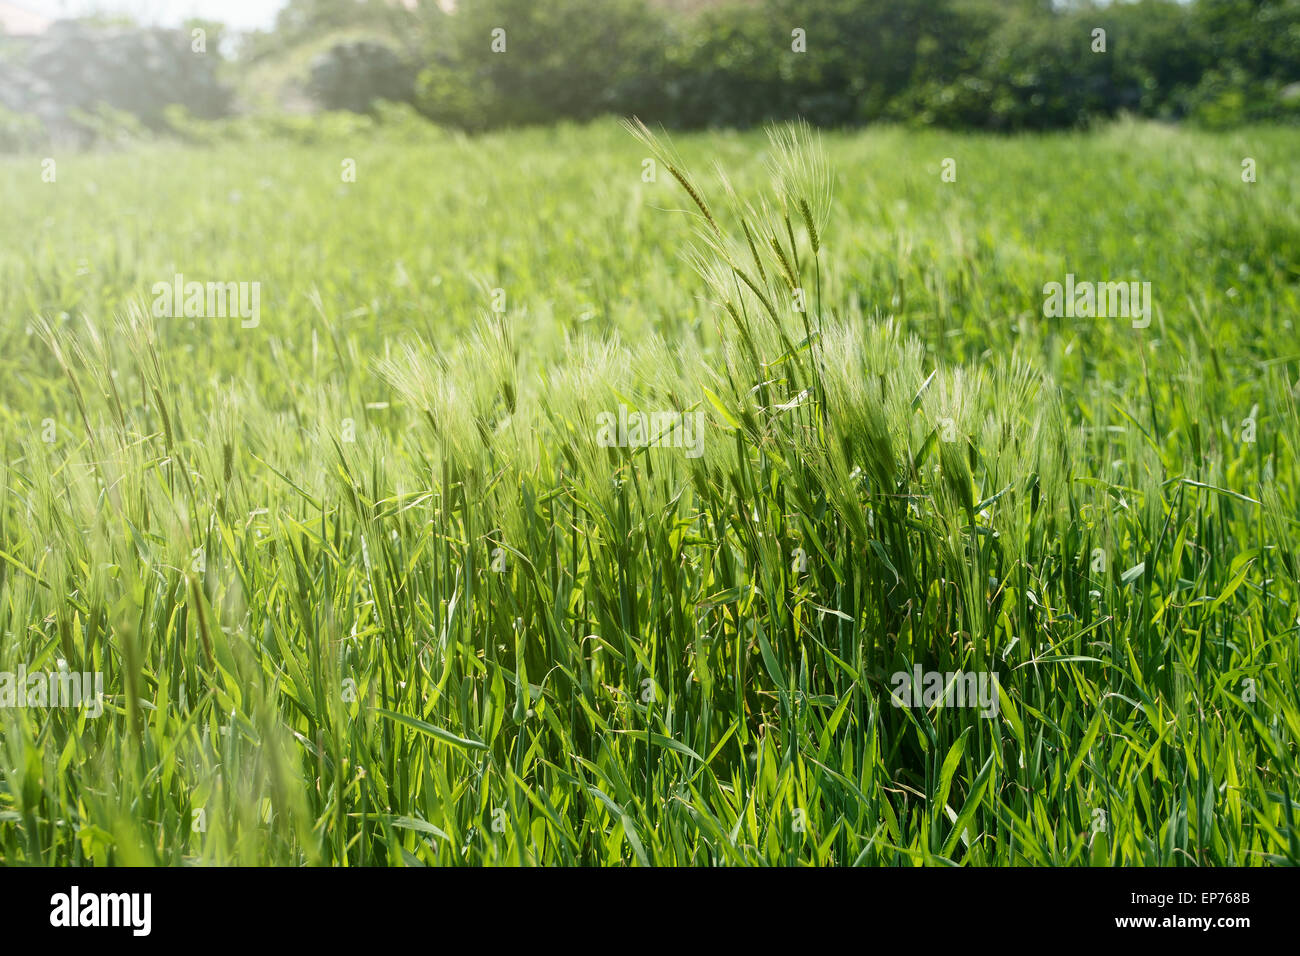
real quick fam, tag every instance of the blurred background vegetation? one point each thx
(1003, 65)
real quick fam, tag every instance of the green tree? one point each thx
(508, 62)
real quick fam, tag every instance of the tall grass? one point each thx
(476, 635)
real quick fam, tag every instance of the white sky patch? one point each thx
(237, 14)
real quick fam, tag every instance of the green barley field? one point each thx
(367, 582)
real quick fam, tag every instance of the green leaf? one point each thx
(425, 728)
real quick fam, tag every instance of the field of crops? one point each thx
(573, 498)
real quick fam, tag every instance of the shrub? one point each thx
(138, 71)
(84, 83)
(356, 75)
(561, 59)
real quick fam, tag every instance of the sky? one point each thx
(238, 14)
